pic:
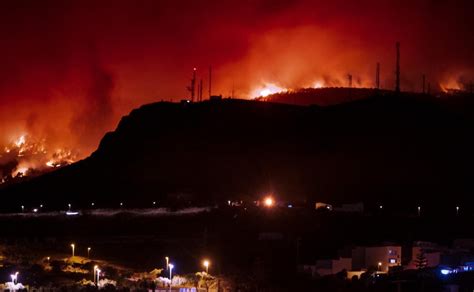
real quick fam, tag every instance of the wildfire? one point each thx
(20, 172)
(318, 84)
(450, 85)
(26, 156)
(20, 141)
(267, 90)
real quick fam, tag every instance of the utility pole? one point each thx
(377, 77)
(200, 90)
(210, 81)
(198, 97)
(192, 87)
(233, 87)
(397, 73)
(424, 80)
(349, 77)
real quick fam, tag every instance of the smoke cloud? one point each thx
(71, 69)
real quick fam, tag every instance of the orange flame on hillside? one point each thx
(25, 156)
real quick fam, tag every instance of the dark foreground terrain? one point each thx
(255, 248)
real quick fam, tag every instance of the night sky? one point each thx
(70, 69)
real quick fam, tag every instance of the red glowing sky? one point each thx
(70, 69)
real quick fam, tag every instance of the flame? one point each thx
(32, 156)
(267, 90)
(318, 84)
(450, 85)
(21, 171)
(20, 141)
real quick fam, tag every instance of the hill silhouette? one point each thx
(400, 150)
(323, 96)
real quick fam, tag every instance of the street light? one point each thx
(380, 266)
(167, 262)
(457, 210)
(206, 264)
(14, 278)
(98, 275)
(73, 246)
(171, 272)
(88, 252)
(94, 272)
(269, 202)
(419, 210)
(69, 206)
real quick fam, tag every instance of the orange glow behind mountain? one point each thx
(71, 71)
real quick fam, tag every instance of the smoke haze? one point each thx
(70, 69)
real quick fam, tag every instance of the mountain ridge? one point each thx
(375, 150)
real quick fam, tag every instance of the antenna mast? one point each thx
(397, 73)
(424, 82)
(377, 77)
(210, 81)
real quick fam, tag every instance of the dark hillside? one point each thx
(380, 149)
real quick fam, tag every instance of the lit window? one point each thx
(392, 261)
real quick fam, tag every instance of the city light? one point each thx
(73, 246)
(206, 264)
(445, 272)
(89, 252)
(269, 202)
(98, 275)
(14, 278)
(167, 262)
(171, 273)
(94, 272)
